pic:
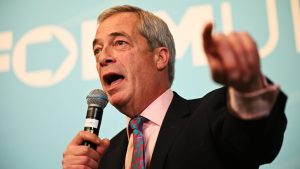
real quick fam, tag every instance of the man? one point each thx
(238, 126)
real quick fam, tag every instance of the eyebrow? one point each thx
(113, 34)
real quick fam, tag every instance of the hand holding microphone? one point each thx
(86, 148)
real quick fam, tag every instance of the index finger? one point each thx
(85, 136)
(207, 36)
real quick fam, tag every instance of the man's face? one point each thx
(125, 64)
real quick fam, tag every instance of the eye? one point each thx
(120, 42)
(121, 45)
(97, 51)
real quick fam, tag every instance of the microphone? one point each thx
(96, 101)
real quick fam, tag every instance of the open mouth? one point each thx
(112, 78)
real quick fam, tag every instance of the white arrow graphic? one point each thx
(46, 77)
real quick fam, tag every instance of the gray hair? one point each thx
(153, 28)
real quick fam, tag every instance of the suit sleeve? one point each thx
(255, 141)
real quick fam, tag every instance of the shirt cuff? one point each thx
(253, 105)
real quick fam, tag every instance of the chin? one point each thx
(122, 108)
(117, 101)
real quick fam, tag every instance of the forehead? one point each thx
(120, 22)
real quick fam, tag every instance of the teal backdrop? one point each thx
(47, 67)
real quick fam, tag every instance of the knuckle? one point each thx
(65, 165)
(230, 68)
(251, 48)
(251, 64)
(82, 167)
(66, 152)
(63, 162)
(239, 52)
(85, 160)
(98, 156)
(81, 133)
(85, 150)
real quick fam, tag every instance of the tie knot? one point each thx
(136, 124)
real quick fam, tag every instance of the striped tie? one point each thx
(138, 155)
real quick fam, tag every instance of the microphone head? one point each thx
(97, 98)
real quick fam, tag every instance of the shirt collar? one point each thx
(157, 110)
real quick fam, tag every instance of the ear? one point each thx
(162, 57)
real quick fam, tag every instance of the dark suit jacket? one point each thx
(203, 133)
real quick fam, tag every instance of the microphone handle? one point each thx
(92, 123)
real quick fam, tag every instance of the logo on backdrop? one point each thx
(53, 51)
(40, 38)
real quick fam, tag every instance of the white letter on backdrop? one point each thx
(273, 29)
(226, 17)
(190, 31)
(295, 5)
(89, 71)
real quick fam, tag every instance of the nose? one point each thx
(106, 58)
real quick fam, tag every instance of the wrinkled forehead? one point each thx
(122, 20)
(121, 16)
(125, 22)
(107, 14)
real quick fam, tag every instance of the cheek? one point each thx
(98, 67)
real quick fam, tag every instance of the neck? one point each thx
(138, 107)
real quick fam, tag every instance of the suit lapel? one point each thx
(172, 123)
(115, 156)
